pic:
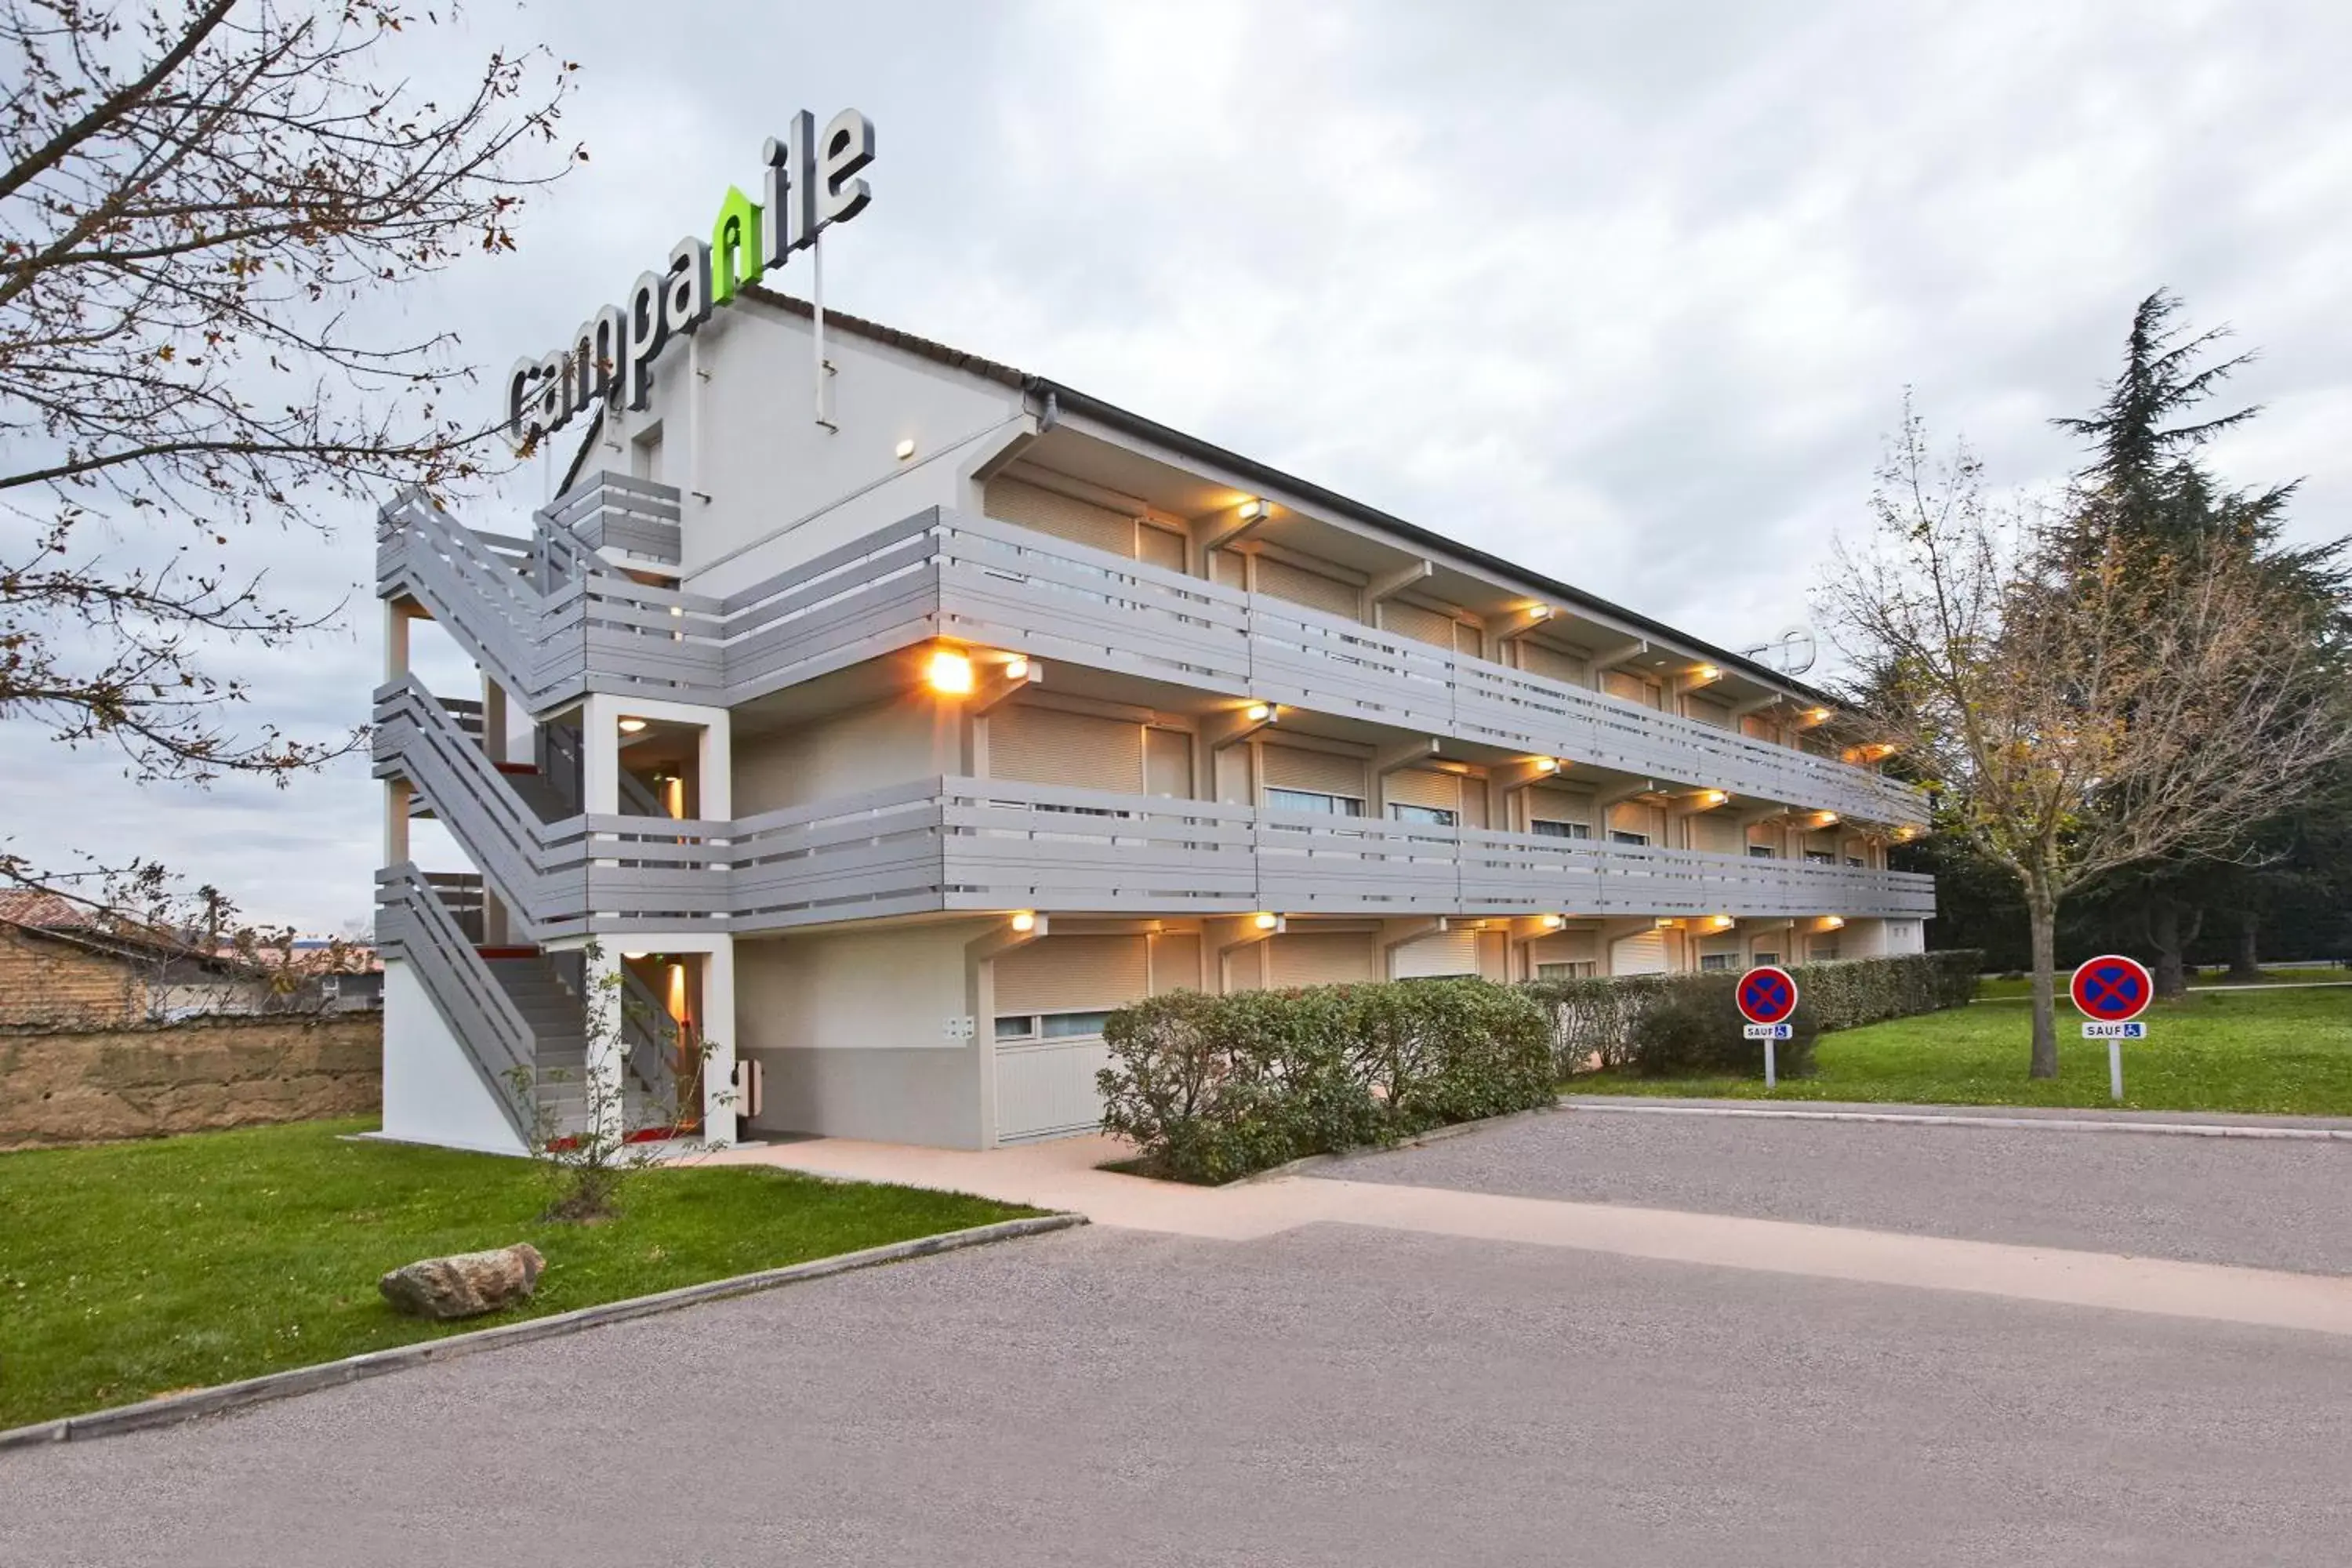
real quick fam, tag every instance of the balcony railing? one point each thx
(997, 583)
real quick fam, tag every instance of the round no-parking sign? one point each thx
(2113, 989)
(1768, 995)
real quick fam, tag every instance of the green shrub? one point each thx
(1695, 1031)
(1214, 1087)
(1594, 1021)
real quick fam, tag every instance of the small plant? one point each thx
(589, 1165)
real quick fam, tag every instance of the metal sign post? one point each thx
(2112, 992)
(1767, 996)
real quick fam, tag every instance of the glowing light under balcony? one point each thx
(949, 673)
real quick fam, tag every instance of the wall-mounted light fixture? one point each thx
(633, 957)
(1549, 764)
(1259, 712)
(1016, 668)
(632, 726)
(1816, 715)
(949, 673)
(1265, 921)
(1825, 819)
(1553, 922)
(906, 448)
(1250, 510)
(1027, 921)
(1832, 922)
(1720, 923)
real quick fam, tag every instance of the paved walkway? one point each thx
(1063, 1175)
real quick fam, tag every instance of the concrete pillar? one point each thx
(395, 821)
(605, 1068)
(720, 1109)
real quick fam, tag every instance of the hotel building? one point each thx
(888, 725)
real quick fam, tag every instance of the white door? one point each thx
(1047, 1089)
(1641, 955)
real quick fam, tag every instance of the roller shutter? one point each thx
(1322, 773)
(1552, 662)
(1160, 547)
(1758, 728)
(1708, 711)
(1469, 640)
(1566, 947)
(1175, 963)
(1632, 688)
(1321, 958)
(1643, 953)
(1072, 974)
(1632, 817)
(1046, 745)
(1715, 834)
(1168, 763)
(1228, 568)
(1421, 786)
(1300, 587)
(1049, 511)
(1449, 952)
(1559, 805)
(1420, 624)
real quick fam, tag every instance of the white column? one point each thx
(720, 1109)
(607, 1056)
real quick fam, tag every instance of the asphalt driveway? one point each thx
(1330, 1395)
(2250, 1202)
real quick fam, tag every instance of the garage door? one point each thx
(1047, 1090)
(1450, 953)
(1321, 958)
(1050, 996)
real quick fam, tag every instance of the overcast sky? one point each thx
(1628, 292)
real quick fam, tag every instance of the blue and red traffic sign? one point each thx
(2112, 989)
(1767, 995)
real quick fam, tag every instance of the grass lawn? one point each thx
(133, 1269)
(1998, 989)
(2283, 1051)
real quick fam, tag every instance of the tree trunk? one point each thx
(2163, 921)
(2246, 963)
(2041, 912)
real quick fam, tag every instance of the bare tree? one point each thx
(200, 204)
(2079, 701)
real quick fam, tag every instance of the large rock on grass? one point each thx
(466, 1285)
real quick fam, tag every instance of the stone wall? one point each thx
(50, 985)
(82, 1087)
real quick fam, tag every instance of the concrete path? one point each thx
(1062, 1175)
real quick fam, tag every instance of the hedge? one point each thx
(1214, 1087)
(1594, 1021)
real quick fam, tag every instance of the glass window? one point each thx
(1574, 969)
(1619, 835)
(1853, 860)
(1716, 960)
(1427, 816)
(1072, 1026)
(1763, 958)
(1762, 852)
(1551, 827)
(1825, 952)
(1020, 1027)
(1820, 857)
(1308, 800)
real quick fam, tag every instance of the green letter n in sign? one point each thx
(734, 247)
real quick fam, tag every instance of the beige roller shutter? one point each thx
(1708, 712)
(1716, 835)
(1049, 511)
(1632, 817)
(1046, 745)
(1071, 974)
(1632, 688)
(1553, 662)
(1228, 568)
(1168, 763)
(1756, 727)
(1160, 546)
(1321, 958)
(1448, 953)
(1175, 962)
(1323, 772)
(1558, 804)
(1469, 640)
(1300, 587)
(1421, 787)
(1420, 624)
(1644, 953)
(1566, 947)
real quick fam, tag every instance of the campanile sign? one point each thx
(812, 181)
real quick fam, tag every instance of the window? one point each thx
(1310, 800)
(1820, 857)
(1574, 969)
(1825, 952)
(1853, 860)
(1763, 958)
(1050, 1026)
(1717, 960)
(1426, 816)
(1619, 835)
(1552, 827)
(1762, 852)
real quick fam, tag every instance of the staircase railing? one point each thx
(413, 925)
(650, 1037)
